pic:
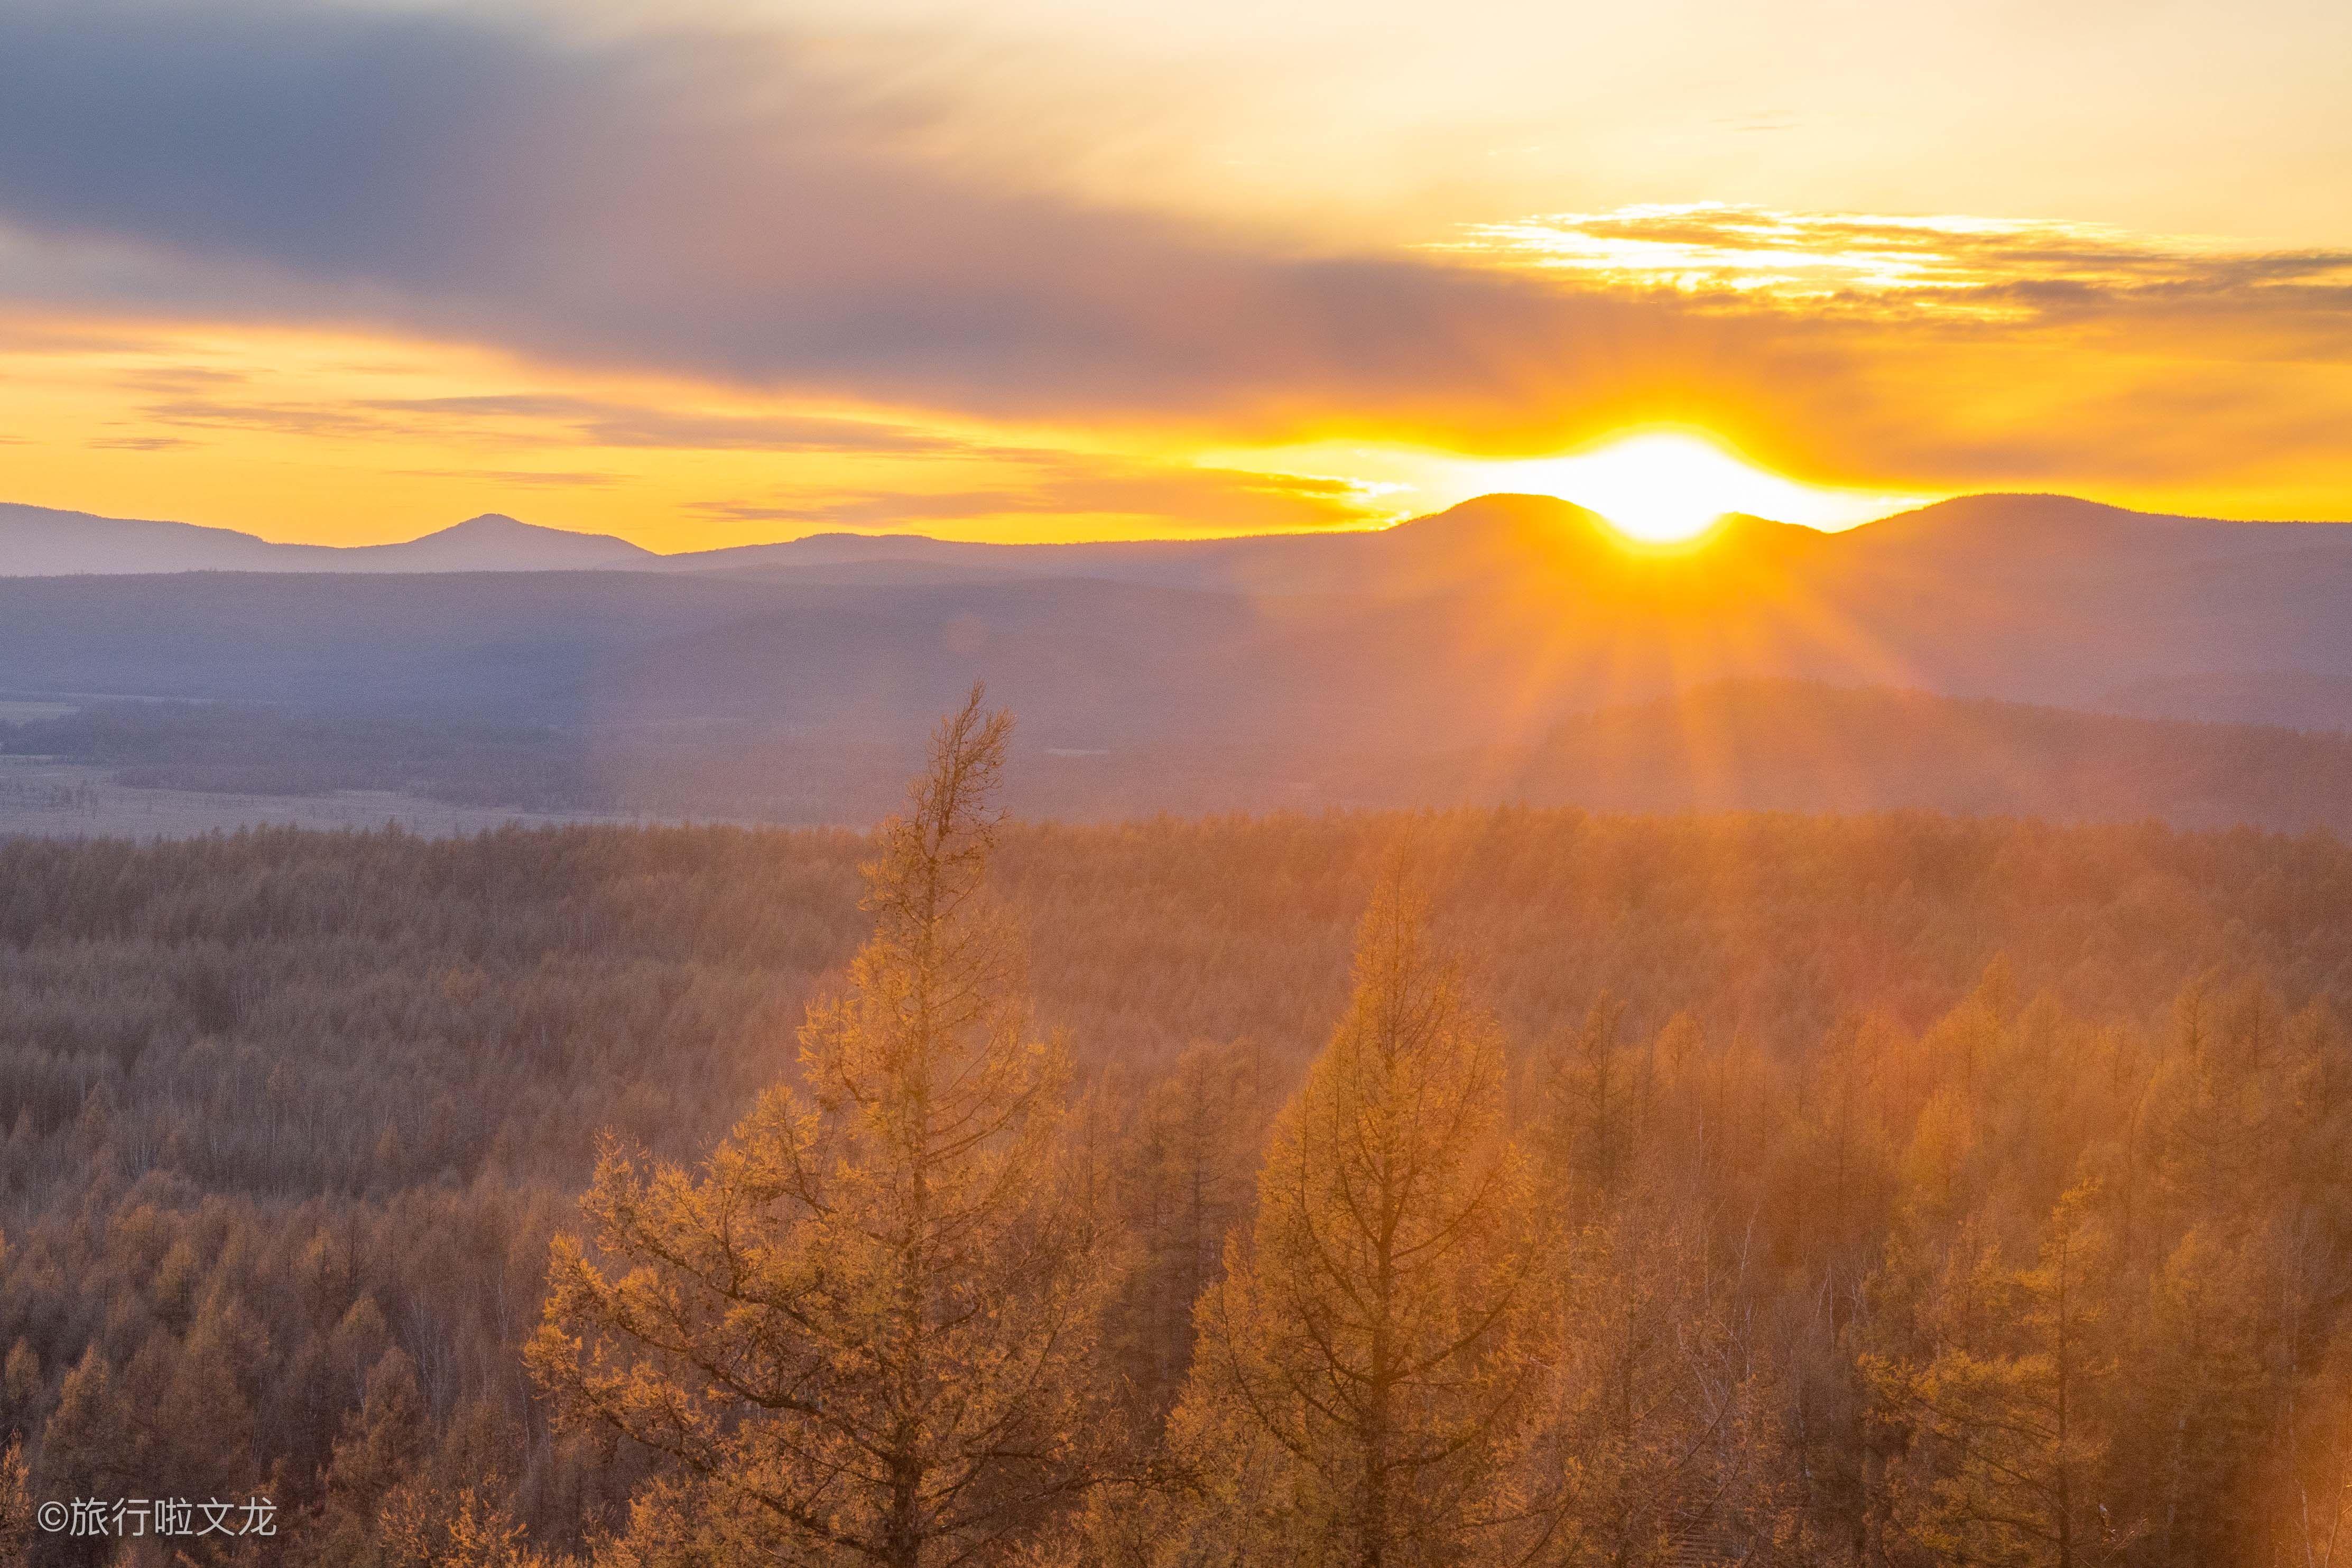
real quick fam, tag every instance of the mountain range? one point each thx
(1485, 623)
(1496, 531)
(2028, 535)
(36, 542)
(1481, 634)
(2022, 535)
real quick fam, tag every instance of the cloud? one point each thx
(604, 424)
(513, 476)
(178, 380)
(1987, 268)
(285, 419)
(530, 419)
(707, 206)
(715, 206)
(1221, 499)
(22, 333)
(137, 442)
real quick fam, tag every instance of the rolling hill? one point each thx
(1441, 659)
(1484, 623)
(1969, 537)
(36, 542)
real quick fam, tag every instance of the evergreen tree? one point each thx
(15, 1504)
(2004, 1420)
(870, 1320)
(1655, 1427)
(381, 1446)
(89, 1448)
(1361, 1392)
(1192, 1158)
(2206, 1392)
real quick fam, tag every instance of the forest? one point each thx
(1494, 1185)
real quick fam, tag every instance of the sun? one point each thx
(1659, 486)
(1670, 486)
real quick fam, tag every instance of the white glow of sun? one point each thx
(1669, 486)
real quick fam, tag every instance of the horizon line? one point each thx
(848, 532)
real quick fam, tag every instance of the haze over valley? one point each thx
(1495, 652)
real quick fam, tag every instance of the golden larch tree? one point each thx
(1363, 1381)
(1190, 1171)
(2002, 1432)
(867, 1328)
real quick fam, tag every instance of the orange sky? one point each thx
(345, 273)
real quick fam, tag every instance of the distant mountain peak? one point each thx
(1544, 542)
(1513, 506)
(494, 541)
(486, 525)
(36, 542)
(1511, 516)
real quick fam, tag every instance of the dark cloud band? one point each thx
(706, 206)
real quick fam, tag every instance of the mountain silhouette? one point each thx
(495, 542)
(36, 541)
(1490, 539)
(1487, 624)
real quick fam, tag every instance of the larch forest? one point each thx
(1364, 1190)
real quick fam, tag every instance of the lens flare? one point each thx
(1665, 487)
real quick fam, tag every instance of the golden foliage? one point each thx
(1362, 1386)
(869, 1320)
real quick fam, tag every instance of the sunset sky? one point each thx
(708, 274)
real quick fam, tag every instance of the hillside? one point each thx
(1483, 625)
(1457, 658)
(294, 1116)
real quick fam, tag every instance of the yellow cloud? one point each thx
(337, 438)
(1991, 268)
